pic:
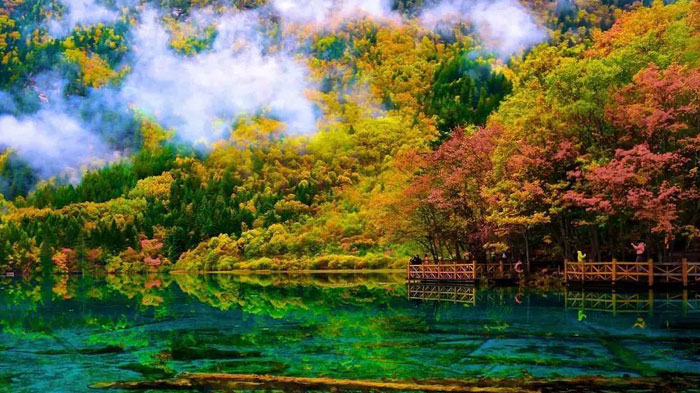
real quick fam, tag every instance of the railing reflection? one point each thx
(612, 302)
(632, 303)
(439, 292)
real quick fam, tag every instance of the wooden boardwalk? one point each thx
(645, 273)
(458, 272)
(463, 272)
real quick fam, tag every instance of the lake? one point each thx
(64, 333)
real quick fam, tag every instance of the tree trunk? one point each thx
(564, 239)
(527, 253)
(596, 244)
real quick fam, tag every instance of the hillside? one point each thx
(219, 135)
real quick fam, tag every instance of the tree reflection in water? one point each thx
(63, 333)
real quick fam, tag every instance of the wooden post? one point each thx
(566, 270)
(684, 269)
(650, 264)
(500, 267)
(614, 271)
(651, 302)
(685, 302)
(614, 302)
(474, 269)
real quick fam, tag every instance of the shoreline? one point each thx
(302, 271)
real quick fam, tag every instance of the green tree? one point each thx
(465, 92)
(45, 261)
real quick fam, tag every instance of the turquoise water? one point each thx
(63, 334)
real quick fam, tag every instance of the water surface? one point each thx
(61, 335)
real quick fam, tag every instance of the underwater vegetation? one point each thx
(352, 327)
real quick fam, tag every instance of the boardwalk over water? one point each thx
(645, 273)
(642, 273)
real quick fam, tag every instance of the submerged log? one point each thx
(230, 382)
(234, 382)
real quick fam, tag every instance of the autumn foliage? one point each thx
(591, 154)
(425, 144)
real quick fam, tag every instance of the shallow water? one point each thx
(63, 334)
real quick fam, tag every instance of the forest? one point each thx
(219, 135)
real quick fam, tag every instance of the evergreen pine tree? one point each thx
(45, 258)
(81, 253)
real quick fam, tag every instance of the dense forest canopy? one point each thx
(331, 134)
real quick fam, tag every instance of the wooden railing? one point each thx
(646, 272)
(462, 271)
(441, 292)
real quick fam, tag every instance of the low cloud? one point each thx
(80, 12)
(199, 95)
(505, 26)
(53, 143)
(55, 140)
(329, 11)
